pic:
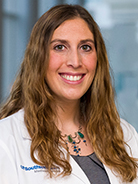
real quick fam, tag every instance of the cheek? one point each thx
(91, 63)
(54, 62)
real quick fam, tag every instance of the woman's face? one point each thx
(73, 60)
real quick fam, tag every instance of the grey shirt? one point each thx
(93, 168)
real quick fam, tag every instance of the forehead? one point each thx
(73, 28)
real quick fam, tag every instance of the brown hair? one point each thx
(31, 92)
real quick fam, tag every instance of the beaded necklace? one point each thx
(74, 141)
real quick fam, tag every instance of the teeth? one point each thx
(72, 78)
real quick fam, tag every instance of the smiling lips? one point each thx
(72, 77)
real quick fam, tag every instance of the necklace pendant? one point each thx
(75, 141)
(81, 135)
(69, 139)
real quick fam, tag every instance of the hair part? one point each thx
(31, 92)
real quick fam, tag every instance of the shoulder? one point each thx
(12, 121)
(13, 136)
(10, 127)
(130, 138)
(128, 130)
(19, 115)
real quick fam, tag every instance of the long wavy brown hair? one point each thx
(31, 92)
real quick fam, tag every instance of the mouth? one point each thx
(72, 77)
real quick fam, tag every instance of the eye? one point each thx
(59, 47)
(86, 48)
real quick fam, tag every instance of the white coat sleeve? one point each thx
(8, 172)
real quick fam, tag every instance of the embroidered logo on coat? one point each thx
(34, 168)
(38, 168)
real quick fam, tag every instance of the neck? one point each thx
(68, 116)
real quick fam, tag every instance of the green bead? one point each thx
(69, 138)
(81, 135)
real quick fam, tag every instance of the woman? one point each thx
(60, 123)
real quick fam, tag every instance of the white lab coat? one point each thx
(16, 166)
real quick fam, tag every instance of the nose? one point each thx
(74, 59)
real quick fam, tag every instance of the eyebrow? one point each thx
(65, 41)
(58, 40)
(87, 40)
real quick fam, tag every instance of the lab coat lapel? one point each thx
(115, 179)
(112, 176)
(78, 172)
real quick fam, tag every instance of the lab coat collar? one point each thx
(112, 176)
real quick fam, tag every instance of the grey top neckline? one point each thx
(93, 168)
